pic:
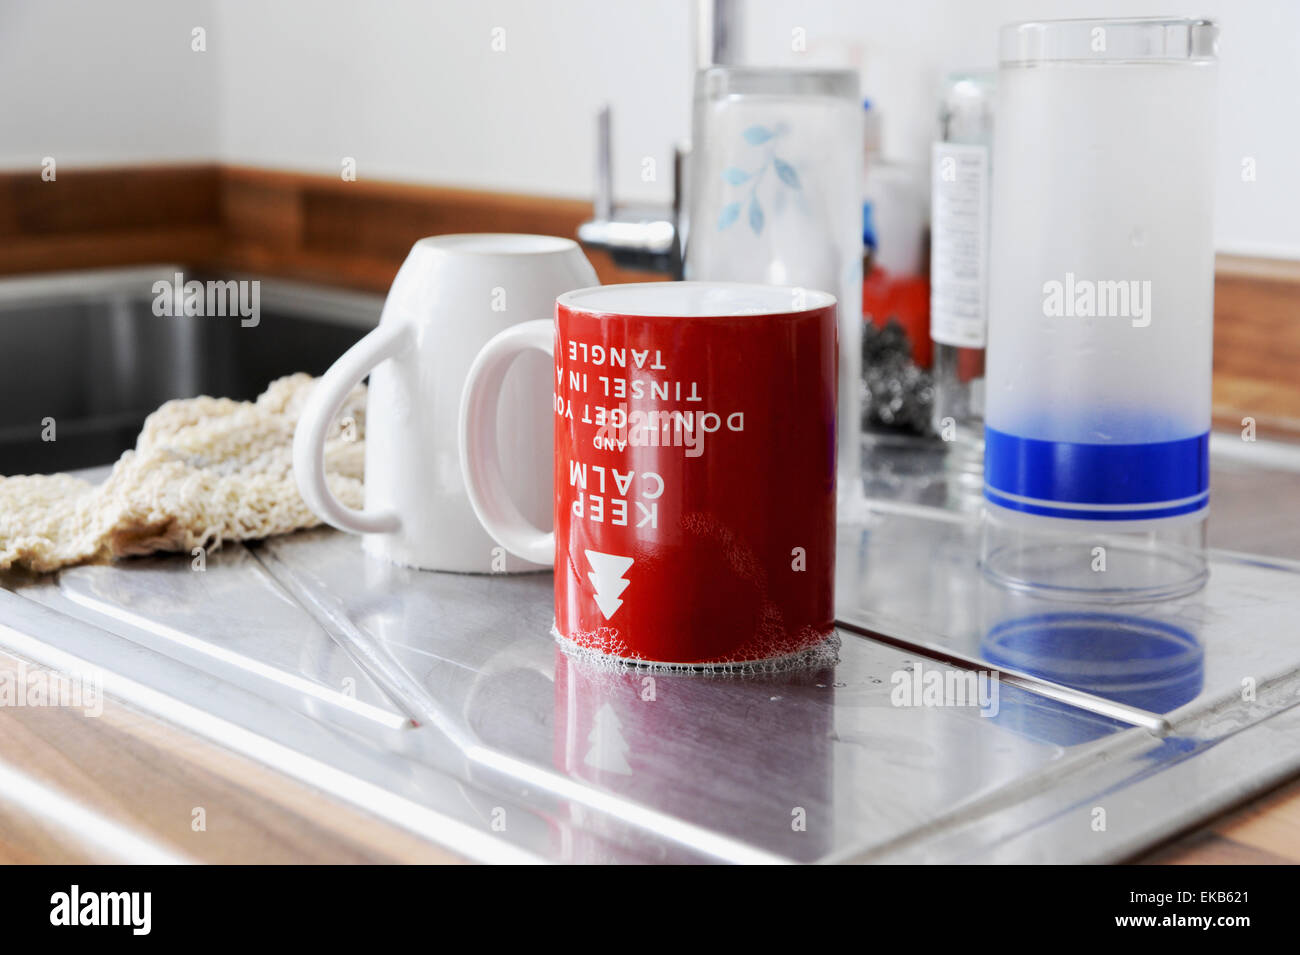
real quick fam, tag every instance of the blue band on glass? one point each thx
(1088, 514)
(1097, 481)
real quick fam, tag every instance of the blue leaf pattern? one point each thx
(758, 135)
(786, 172)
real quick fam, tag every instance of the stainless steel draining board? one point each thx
(437, 701)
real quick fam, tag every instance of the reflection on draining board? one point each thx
(438, 701)
(913, 574)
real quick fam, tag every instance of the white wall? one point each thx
(97, 83)
(412, 89)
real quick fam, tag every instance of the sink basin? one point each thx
(88, 351)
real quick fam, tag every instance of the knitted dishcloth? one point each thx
(204, 471)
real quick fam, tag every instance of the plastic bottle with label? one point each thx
(959, 253)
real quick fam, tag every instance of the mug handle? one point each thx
(480, 458)
(322, 407)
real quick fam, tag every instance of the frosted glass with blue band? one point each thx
(1101, 307)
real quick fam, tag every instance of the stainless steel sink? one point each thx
(87, 351)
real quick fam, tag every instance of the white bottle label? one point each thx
(959, 192)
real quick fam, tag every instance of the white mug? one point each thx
(452, 294)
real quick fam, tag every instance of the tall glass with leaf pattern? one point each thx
(775, 196)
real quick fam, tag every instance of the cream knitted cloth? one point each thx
(204, 471)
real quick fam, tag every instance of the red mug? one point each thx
(694, 475)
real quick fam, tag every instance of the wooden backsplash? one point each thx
(358, 233)
(103, 217)
(355, 234)
(292, 225)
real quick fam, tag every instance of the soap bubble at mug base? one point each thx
(823, 654)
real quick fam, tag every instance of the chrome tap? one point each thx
(652, 237)
(638, 237)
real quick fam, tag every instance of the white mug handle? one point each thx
(480, 458)
(322, 407)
